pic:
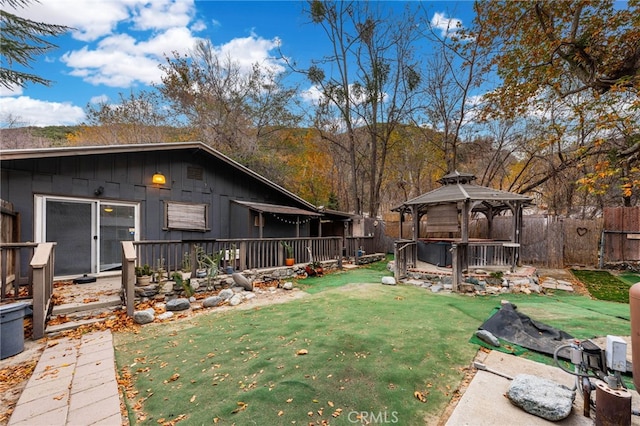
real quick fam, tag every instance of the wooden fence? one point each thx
(620, 240)
(558, 242)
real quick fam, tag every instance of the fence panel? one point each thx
(621, 233)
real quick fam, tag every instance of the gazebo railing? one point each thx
(492, 254)
(405, 253)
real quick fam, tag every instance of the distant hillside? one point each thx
(35, 137)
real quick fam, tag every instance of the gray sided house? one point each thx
(89, 199)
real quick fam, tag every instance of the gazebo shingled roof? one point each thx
(458, 187)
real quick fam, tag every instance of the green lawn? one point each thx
(369, 349)
(603, 285)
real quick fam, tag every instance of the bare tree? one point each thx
(370, 91)
(227, 107)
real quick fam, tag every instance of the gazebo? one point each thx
(448, 210)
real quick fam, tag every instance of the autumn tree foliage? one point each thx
(582, 59)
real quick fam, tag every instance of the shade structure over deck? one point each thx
(262, 208)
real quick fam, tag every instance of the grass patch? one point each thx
(371, 273)
(604, 286)
(630, 278)
(370, 347)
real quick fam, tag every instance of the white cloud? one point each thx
(100, 99)
(447, 26)
(41, 113)
(247, 51)
(311, 95)
(13, 91)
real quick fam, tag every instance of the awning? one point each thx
(274, 208)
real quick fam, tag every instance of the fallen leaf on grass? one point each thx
(173, 378)
(420, 396)
(302, 352)
(241, 406)
(280, 413)
(193, 398)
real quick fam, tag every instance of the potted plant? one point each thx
(143, 275)
(289, 260)
(313, 269)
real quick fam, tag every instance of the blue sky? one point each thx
(117, 45)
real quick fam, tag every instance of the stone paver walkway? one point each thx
(74, 383)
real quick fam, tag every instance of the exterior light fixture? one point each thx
(159, 178)
(108, 209)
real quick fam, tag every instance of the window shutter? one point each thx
(186, 216)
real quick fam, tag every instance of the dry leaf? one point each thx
(193, 398)
(290, 400)
(420, 396)
(330, 403)
(280, 413)
(241, 406)
(302, 352)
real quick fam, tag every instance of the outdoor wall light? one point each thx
(108, 209)
(159, 178)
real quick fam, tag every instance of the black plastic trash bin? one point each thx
(12, 329)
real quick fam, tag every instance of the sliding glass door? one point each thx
(87, 233)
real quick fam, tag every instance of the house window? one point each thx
(186, 216)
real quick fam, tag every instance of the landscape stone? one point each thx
(226, 294)
(165, 315)
(212, 301)
(242, 281)
(541, 397)
(487, 337)
(147, 290)
(436, 288)
(287, 285)
(249, 295)
(179, 304)
(235, 300)
(144, 317)
(388, 281)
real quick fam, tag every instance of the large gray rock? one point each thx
(212, 301)
(242, 281)
(235, 300)
(388, 281)
(487, 337)
(541, 397)
(287, 285)
(143, 317)
(226, 294)
(179, 304)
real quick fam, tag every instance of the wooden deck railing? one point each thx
(33, 280)
(493, 253)
(236, 255)
(42, 265)
(14, 275)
